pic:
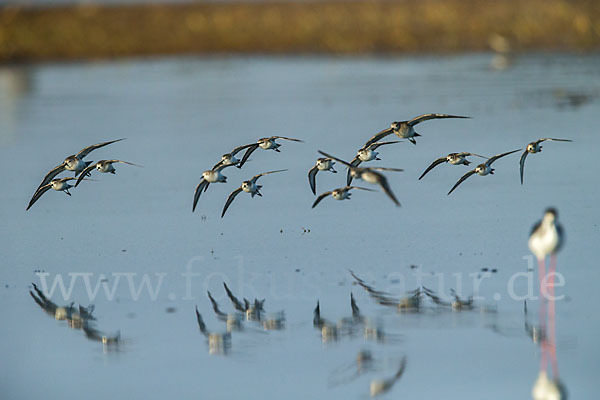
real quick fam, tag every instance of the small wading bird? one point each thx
(74, 162)
(323, 164)
(482, 169)
(208, 177)
(338, 194)
(230, 159)
(534, 147)
(104, 166)
(370, 175)
(452, 158)
(60, 185)
(364, 154)
(265, 144)
(405, 129)
(249, 186)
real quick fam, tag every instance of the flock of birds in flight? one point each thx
(372, 175)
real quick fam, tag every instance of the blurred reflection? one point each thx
(381, 386)
(77, 318)
(15, 82)
(409, 303)
(218, 343)
(503, 56)
(364, 363)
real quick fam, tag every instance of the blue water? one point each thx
(180, 115)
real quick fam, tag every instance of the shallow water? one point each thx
(179, 115)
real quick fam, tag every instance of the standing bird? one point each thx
(265, 144)
(534, 147)
(229, 158)
(546, 239)
(104, 166)
(370, 175)
(75, 162)
(482, 169)
(405, 129)
(338, 194)
(323, 164)
(249, 186)
(364, 154)
(59, 185)
(208, 177)
(452, 158)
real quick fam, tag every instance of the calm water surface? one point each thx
(179, 115)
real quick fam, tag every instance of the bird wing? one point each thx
(250, 150)
(50, 175)
(426, 117)
(378, 136)
(286, 138)
(203, 183)
(84, 152)
(38, 194)
(201, 323)
(386, 188)
(321, 197)
(434, 164)
(122, 162)
(84, 173)
(255, 177)
(522, 163)
(386, 169)
(358, 187)
(240, 148)
(497, 156)
(355, 163)
(375, 145)
(230, 200)
(215, 306)
(464, 154)
(461, 180)
(553, 140)
(312, 178)
(236, 303)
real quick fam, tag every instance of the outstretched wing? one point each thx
(387, 189)
(250, 150)
(84, 173)
(522, 163)
(465, 154)
(255, 177)
(50, 175)
(361, 188)
(201, 323)
(355, 163)
(38, 194)
(375, 145)
(122, 162)
(234, 300)
(286, 138)
(201, 186)
(434, 164)
(378, 136)
(321, 197)
(312, 179)
(426, 117)
(240, 148)
(230, 200)
(215, 306)
(461, 180)
(84, 152)
(335, 158)
(497, 156)
(553, 140)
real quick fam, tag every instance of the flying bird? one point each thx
(265, 144)
(338, 194)
(452, 158)
(482, 169)
(249, 186)
(364, 154)
(104, 166)
(534, 147)
(229, 158)
(405, 129)
(370, 175)
(74, 162)
(59, 185)
(323, 164)
(208, 177)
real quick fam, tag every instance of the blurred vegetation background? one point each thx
(29, 33)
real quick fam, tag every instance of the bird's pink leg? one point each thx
(552, 317)
(542, 314)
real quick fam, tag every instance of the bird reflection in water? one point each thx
(79, 318)
(381, 386)
(218, 343)
(410, 303)
(364, 362)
